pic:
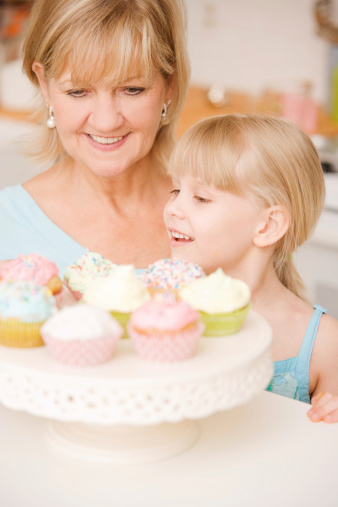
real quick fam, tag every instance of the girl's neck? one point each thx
(258, 272)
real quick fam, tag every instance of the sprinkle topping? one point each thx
(171, 273)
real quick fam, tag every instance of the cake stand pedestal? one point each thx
(134, 411)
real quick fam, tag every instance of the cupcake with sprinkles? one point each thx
(80, 275)
(32, 267)
(170, 274)
(24, 307)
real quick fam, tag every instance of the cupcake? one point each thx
(32, 267)
(24, 307)
(170, 274)
(89, 267)
(121, 292)
(165, 330)
(81, 335)
(222, 301)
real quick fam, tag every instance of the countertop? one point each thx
(264, 453)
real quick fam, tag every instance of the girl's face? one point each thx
(213, 228)
(107, 130)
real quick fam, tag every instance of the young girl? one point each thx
(247, 192)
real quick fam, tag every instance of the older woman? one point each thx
(113, 77)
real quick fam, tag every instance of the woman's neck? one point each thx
(142, 183)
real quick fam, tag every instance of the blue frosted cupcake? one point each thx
(24, 307)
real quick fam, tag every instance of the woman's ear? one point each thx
(272, 226)
(39, 71)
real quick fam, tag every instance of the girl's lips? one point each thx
(177, 237)
(104, 143)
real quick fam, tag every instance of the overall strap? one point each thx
(302, 369)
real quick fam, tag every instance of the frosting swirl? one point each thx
(120, 291)
(89, 267)
(33, 267)
(25, 301)
(163, 315)
(217, 293)
(81, 322)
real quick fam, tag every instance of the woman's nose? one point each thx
(107, 114)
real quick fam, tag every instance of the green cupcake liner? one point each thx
(123, 319)
(222, 324)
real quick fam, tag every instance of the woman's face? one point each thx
(107, 130)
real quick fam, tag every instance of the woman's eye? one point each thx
(133, 90)
(175, 191)
(77, 93)
(201, 199)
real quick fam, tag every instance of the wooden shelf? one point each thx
(197, 106)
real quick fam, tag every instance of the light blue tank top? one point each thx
(291, 376)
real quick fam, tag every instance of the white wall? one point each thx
(249, 45)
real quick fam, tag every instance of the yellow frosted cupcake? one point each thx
(223, 302)
(24, 307)
(121, 292)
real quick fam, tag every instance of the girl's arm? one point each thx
(324, 399)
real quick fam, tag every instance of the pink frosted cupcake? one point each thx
(35, 268)
(81, 335)
(165, 330)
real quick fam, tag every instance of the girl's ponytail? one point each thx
(288, 275)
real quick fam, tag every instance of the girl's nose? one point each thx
(174, 208)
(106, 116)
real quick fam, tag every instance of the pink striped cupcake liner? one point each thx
(166, 346)
(82, 352)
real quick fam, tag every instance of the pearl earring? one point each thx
(51, 120)
(165, 109)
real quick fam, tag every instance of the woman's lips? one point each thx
(106, 143)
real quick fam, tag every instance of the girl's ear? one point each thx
(39, 71)
(274, 223)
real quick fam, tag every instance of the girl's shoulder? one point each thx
(328, 330)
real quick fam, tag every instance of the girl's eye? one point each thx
(201, 199)
(77, 93)
(133, 90)
(175, 191)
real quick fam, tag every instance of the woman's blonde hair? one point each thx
(109, 42)
(269, 157)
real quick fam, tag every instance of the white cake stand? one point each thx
(134, 411)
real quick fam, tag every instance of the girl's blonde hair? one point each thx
(269, 157)
(109, 42)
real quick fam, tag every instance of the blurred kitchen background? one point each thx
(276, 57)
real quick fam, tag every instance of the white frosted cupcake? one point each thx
(82, 273)
(121, 292)
(81, 335)
(222, 301)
